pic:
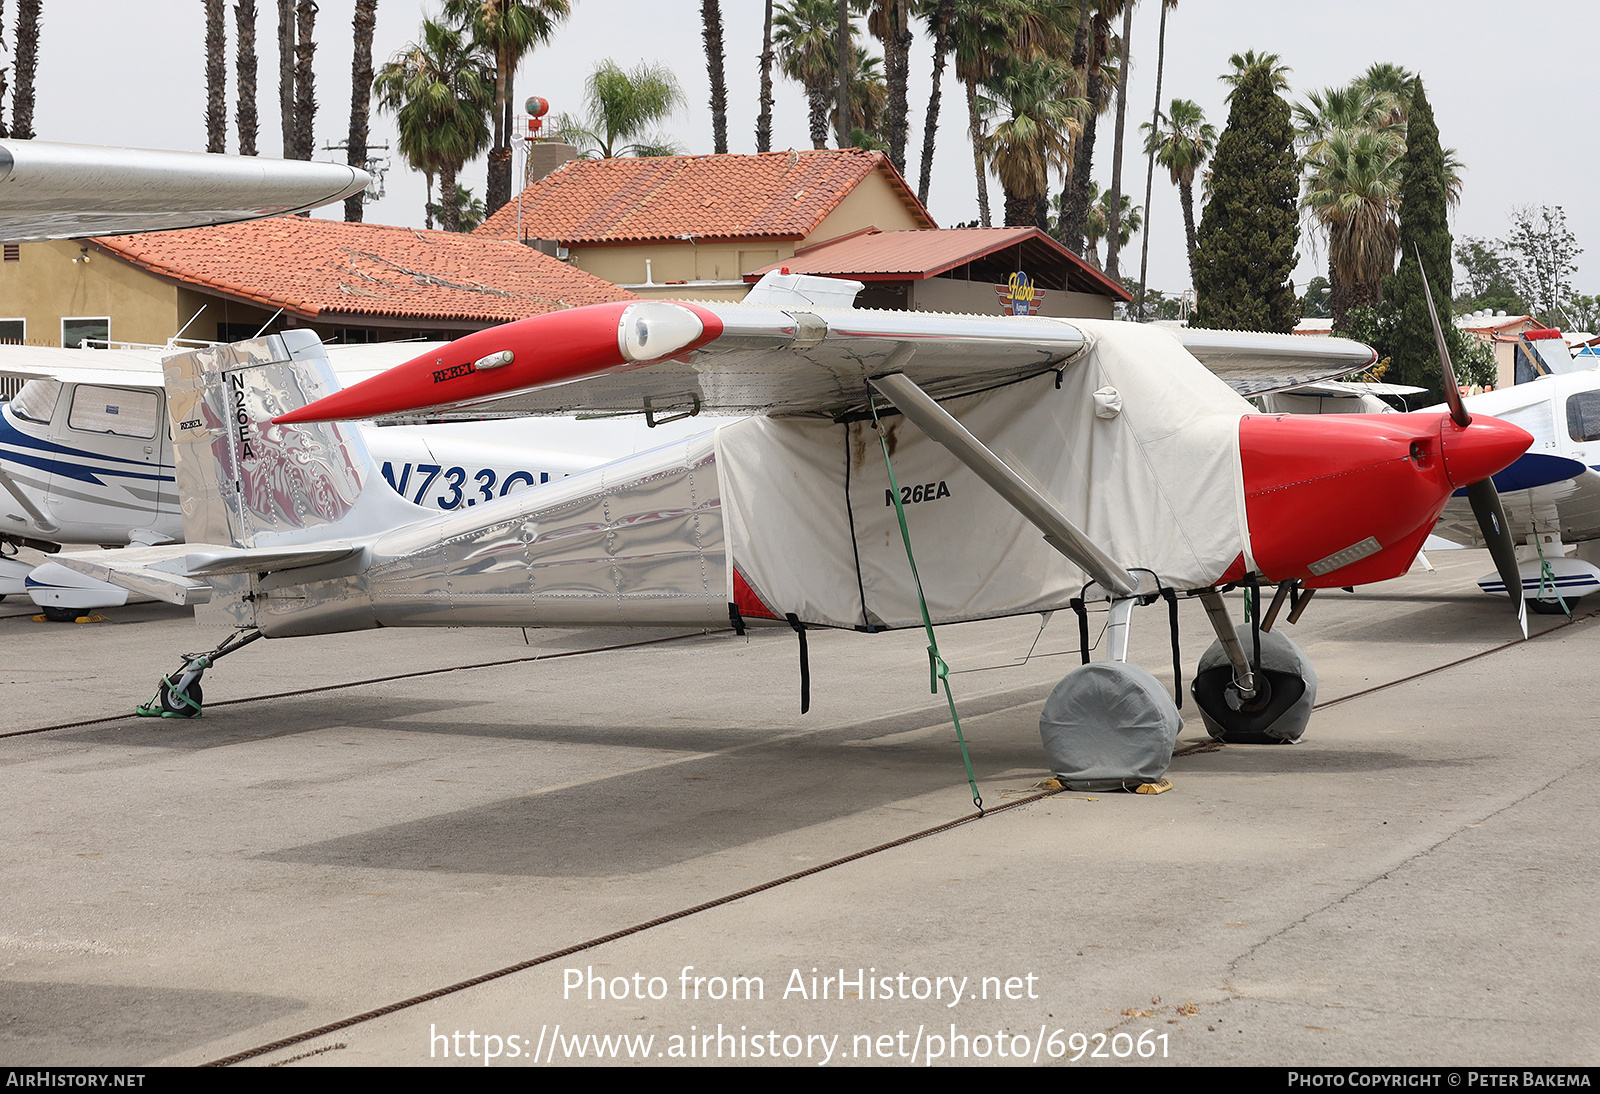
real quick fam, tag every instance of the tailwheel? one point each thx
(180, 704)
(1286, 690)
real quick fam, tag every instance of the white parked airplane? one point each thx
(1551, 494)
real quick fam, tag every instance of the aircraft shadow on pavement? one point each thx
(90, 1025)
(639, 821)
(224, 726)
(1305, 759)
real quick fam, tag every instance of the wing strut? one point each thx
(1043, 513)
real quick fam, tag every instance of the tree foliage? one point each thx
(1245, 248)
(621, 110)
(1424, 248)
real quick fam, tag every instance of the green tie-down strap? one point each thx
(938, 671)
(1547, 576)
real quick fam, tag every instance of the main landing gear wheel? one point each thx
(54, 614)
(1109, 726)
(1286, 690)
(173, 701)
(1554, 605)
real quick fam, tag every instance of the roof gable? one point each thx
(315, 267)
(773, 195)
(871, 255)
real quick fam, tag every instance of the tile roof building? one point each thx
(695, 225)
(349, 282)
(958, 269)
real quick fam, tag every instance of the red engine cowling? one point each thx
(1348, 499)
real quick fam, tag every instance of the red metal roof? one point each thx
(313, 268)
(917, 255)
(774, 195)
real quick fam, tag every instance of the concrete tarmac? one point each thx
(1412, 885)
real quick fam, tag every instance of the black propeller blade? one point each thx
(1483, 496)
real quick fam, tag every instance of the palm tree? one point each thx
(1150, 168)
(286, 75)
(1277, 72)
(1182, 142)
(1100, 46)
(869, 100)
(986, 36)
(939, 14)
(889, 21)
(440, 91)
(244, 19)
(1115, 204)
(620, 107)
(363, 24)
(305, 100)
(507, 30)
(764, 118)
(804, 35)
(1037, 124)
(1353, 193)
(1101, 225)
(216, 77)
(27, 66)
(711, 22)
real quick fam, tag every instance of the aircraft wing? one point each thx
(1259, 363)
(667, 358)
(68, 191)
(1570, 505)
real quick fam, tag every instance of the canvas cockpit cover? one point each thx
(1149, 470)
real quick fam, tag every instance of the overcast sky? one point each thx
(1510, 88)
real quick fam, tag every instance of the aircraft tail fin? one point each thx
(245, 482)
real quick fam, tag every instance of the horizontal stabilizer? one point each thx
(178, 572)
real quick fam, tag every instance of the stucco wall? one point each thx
(45, 285)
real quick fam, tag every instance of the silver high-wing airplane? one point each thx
(1039, 464)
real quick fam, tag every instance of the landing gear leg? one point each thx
(179, 695)
(1267, 700)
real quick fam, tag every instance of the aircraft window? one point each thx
(114, 410)
(36, 402)
(1583, 416)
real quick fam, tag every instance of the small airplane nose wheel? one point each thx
(1286, 690)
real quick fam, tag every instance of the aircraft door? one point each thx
(110, 478)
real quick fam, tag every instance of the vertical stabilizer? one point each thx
(245, 482)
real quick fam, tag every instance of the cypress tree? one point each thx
(1410, 346)
(1245, 250)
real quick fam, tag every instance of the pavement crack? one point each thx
(1465, 826)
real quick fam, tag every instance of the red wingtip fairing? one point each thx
(1349, 499)
(544, 349)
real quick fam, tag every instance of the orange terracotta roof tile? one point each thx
(313, 268)
(774, 195)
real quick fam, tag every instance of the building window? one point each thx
(74, 332)
(13, 252)
(13, 332)
(114, 410)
